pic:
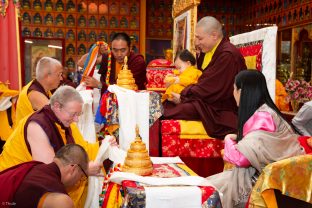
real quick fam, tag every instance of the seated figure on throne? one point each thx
(210, 100)
(187, 74)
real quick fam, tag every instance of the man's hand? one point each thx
(176, 98)
(94, 168)
(91, 82)
(112, 141)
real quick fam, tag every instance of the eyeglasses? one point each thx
(72, 115)
(59, 74)
(85, 177)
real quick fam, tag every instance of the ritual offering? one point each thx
(125, 77)
(138, 161)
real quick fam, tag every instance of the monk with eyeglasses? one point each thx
(40, 135)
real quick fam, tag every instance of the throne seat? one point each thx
(189, 141)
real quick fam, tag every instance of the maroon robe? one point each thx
(136, 64)
(36, 86)
(211, 100)
(41, 179)
(10, 181)
(46, 118)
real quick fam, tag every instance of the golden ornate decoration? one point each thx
(182, 9)
(138, 160)
(181, 6)
(125, 77)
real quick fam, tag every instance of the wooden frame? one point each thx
(35, 48)
(184, 13)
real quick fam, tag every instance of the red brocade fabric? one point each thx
(172, 145)
(202, 155)
(253, 49)
(155, 77)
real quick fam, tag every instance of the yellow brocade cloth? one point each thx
(208, 56)
(193, 130)
(189, 76)
(23, 106)
(15, 152)
(291, 176)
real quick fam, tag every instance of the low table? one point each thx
(134, 194)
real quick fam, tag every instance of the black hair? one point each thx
(186, 55)
(254, 93)
(122, 36)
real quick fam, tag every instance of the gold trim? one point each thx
(19, 68)
(142, 26)
(181, 6)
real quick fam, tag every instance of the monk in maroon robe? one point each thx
(35, 184)
(211, 99)
(120, 48)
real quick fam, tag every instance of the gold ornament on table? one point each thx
(125, 77)
(138, 161)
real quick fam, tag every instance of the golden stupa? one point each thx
(125, 77)
(138, 161)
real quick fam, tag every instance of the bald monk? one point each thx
(40, 135)
(36, 93)
(120, 48)
(211, 99)
(35, 184)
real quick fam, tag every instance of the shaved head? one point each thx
(210, 24)
(44, 66)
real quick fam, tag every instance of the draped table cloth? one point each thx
(133, 193)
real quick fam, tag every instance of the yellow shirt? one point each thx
(189, 76)
(208, 56)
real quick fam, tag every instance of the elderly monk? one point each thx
(211, 99)
(40, 135)
(45, 184)
(36, 94)
(120, 48)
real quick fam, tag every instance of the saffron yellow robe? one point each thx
(23, 106)
(6, 129)
(15, 152)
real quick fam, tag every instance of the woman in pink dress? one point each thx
(263, 137)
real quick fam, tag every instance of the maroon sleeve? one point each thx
(138, 68)
(216, 82)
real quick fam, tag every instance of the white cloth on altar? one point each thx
(268, 36)
(133, 109)
(118, 177)
(173, 196)
(166, 160)
(167, 192)
(95, 183)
